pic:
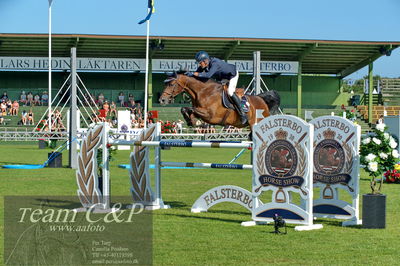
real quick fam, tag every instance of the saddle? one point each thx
(227, 102)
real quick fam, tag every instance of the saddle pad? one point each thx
(226, 102)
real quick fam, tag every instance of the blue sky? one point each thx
(366, 20)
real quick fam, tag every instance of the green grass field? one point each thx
(216, 237)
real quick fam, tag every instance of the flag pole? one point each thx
(146, 79)
(49, 63)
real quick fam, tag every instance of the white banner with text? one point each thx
(135, 65)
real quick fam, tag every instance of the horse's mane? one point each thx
(209, 82)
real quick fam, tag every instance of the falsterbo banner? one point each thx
(133, 65)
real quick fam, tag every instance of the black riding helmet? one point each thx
(201, 56)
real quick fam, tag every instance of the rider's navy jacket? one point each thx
(217, 69)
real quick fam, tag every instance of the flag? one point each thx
(308, 115)
(150, 5)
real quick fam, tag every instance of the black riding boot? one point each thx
(239, 109)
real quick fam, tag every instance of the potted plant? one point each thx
(379, 155)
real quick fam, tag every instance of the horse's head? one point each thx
(171, 90)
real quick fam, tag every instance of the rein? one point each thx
(171, 94)
(184, 86)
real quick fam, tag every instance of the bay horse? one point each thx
(207, 101)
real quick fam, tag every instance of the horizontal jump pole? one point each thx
(187, 144)
(208, 165)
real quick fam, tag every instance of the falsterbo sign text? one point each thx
(129, 65)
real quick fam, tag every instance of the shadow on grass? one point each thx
(235, 221)
(337, 223)
(176, 204)
(58, 203)
(229, 212)
(183, 206)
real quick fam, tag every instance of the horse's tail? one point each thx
(272, 99)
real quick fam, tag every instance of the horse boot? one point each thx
(238, 106)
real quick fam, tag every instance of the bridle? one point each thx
(171, 93)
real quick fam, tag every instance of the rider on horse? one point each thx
(211, 67)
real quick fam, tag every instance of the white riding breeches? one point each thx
(232, 84)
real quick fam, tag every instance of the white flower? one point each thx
(366, 141)
(395, 154)
(377, 141)
(370, 157)
(383, 155)
(381, 127)
(386, 135)
(373, 166)
(392, 143)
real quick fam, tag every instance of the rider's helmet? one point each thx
(201, 56)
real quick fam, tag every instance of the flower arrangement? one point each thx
(349, 115)
(379, 155)
(167, 127)
(393, 176)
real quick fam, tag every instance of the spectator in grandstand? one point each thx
(1, 119)
(150, 121)
(14, 108)
(3, 107)
(9, 104)
(31, 119)
(29, 99)
(380, 120)
(106, 107)
(89, 100)
(102, 115)
(24, 117)
(57, 119)
(132, 104)
(135, 123)
(36, 99)
(113, 109)
(45, 98)
(179, 126)
(121, 99)
(210, 129)
(141, 123)
(133, 112)
(4, 97)
(131, 100)
(133, 116)
(139, 110)
(60, 125)
(100, 99)
(22, 98)
(114, 121)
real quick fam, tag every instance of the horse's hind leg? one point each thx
(188, 115)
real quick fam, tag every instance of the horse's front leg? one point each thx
(188, 115)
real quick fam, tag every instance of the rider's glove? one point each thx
(189, 74)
